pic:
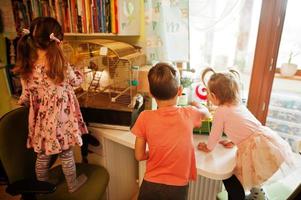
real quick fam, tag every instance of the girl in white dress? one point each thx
(260, 151)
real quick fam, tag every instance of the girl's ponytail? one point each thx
(235, 73)
(205, 72)
(56, 62)
(24, 56)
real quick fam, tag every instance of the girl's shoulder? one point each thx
(233, 107)
(227, 109)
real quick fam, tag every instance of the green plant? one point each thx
(186, 82)
(291, 56)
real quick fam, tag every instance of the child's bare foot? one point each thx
(227, 143)
(79, 182)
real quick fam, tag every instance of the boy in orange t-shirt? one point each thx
(168, 132)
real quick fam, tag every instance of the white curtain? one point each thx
(166, 30)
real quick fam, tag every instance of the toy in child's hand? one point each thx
(201, 92)
(227, 143)
(202, 146)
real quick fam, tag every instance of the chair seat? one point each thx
(98, 178)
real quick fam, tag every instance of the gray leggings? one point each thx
(68, 166)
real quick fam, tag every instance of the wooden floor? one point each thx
(5, 196)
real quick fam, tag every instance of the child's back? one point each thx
(168, 132)
(170, 162)
(53, 107)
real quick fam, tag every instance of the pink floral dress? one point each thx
(55, 120)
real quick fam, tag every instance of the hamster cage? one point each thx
(110, 71)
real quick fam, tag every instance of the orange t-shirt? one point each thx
(168, 133)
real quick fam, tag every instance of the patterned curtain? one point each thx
(166, 30)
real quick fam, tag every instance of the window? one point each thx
(284, 112)
(290, 46)
(223, 34)
(228, 33)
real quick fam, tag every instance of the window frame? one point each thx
(265, 59)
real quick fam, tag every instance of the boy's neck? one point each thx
(167, 103)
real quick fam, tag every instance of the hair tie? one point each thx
(53, 38)
(25, 31)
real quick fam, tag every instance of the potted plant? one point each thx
(289, 69)
(186, 96)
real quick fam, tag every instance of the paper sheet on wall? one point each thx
(175, 29)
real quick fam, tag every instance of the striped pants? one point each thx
(68, 166)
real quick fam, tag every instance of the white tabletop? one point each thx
(218, 164)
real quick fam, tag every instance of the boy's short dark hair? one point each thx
(164, 81)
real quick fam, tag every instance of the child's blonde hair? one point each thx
(224, 86)
(164, 81)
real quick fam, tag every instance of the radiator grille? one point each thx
(204, 189)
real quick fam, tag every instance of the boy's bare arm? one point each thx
(202, 108)
(140, 149)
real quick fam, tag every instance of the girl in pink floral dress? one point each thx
(55, 120)
(260, 151)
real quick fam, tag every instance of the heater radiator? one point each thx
(204, 189)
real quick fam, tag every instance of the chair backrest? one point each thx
(17, 160)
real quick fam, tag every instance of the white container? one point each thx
(183, 100)
(288, 69)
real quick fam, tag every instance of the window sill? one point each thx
(295, 78)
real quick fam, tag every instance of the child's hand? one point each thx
(202, 108)
(227, 143)
(202, 146)
(195, 104)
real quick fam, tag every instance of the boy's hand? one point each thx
(227, 143)
(202, 146)
(195, 104)
(203, 108)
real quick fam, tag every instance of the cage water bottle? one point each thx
(135, 71)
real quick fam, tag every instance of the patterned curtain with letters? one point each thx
(166, 30)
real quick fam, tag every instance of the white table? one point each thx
(218, 164)
(211, 167)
